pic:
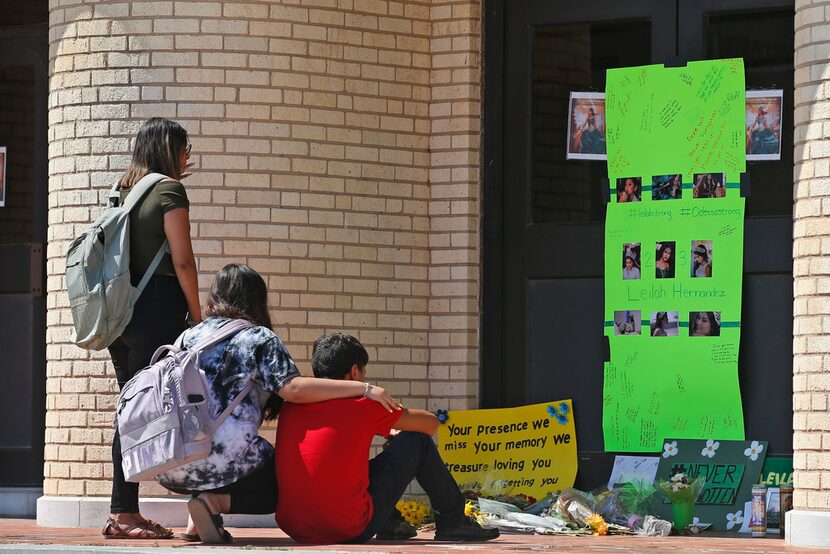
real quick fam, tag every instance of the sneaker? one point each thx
(467, 530)
(396, 529)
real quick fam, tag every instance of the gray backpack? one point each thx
(164, 413)
(101, 295)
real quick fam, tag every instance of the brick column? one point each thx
(809, 523)
(336, 152)
(454, 208)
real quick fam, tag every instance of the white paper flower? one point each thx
(695, 521)
(670, 449)
(753, 450)
(709, 450)
(734, 519)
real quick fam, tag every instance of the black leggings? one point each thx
(159, 317)
(254, 494)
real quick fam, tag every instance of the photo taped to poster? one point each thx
(631, 260)
(667, 187)
(629, 189)
(701, 258)
(664, 324)
(704, 324)
(764, 118)
(664, 260)
(586, 126)
(2, 176)
(709, 185)
(627, 322)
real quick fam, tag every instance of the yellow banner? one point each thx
(527, 450)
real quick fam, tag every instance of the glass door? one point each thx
(542, 336)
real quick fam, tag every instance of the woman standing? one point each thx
(238, 474)
(171, 295)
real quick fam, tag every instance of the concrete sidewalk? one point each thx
(22, 535)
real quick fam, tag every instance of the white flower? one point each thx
(695, 521)
(734, 519)
(670, 449)
(753, 450)
(677, 477)
(709, 450)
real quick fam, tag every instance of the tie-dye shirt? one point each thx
(238, 450)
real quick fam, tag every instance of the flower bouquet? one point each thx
(682, 492)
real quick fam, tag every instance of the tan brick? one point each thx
(312, 124)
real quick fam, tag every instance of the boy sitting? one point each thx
(329, 491)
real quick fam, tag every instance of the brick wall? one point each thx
(336, 151)
(811, 344)
(454, 207)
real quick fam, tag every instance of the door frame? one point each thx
(29, 45)
(504, 337)
(503, 304)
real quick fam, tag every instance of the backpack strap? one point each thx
(137, 192)
(249, 386)
(163, 350)
(151, 269)
(230, 328)
(114, 197)
(140, 189)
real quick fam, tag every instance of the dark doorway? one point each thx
(24, 85)
(542, 336)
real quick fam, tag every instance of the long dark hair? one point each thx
(239, 292)
(714, 326)
(158, 149)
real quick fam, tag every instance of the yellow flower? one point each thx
(597, 524)
(413, 512)
(468, 509)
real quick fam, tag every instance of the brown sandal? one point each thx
(147, 529)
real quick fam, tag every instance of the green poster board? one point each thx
(673, 254)
(777, 472)
(676, 120)
(729, 468)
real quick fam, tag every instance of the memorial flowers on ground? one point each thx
(413, 512)
(682, 492)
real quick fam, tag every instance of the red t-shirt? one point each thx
(322, 463)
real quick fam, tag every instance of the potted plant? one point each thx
(682, 492)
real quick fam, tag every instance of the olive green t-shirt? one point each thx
(147, 228)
